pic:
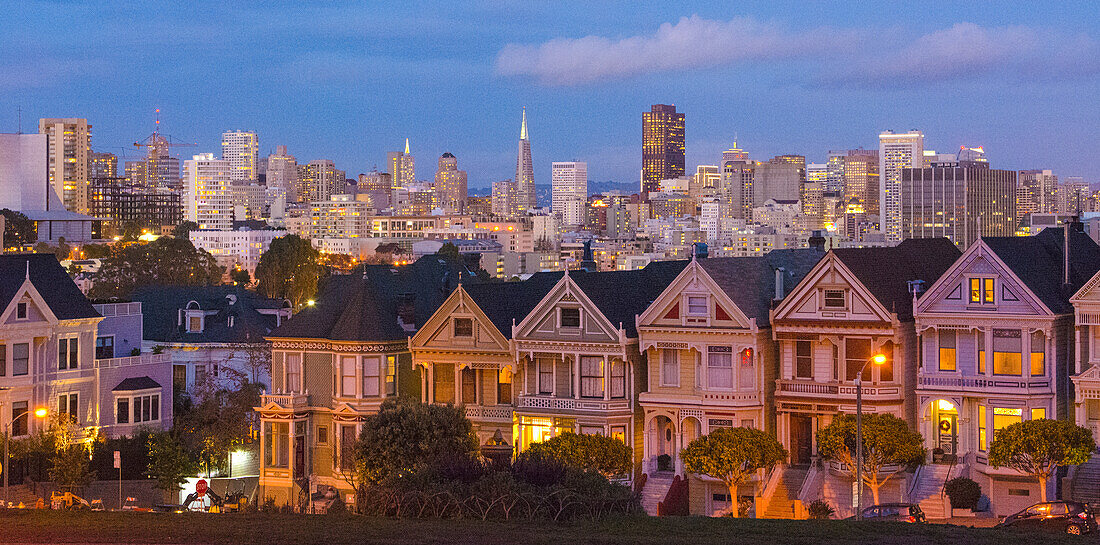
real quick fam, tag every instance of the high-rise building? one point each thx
(1036, 192)
(402, 166)
(896, 151)
(662, 146)
(526, 199)
(780, 178)
(812, 195)
(960, 200)
(738, 178)
(241, 149)
(318, 180)
(1072, 195)
(735, 154)
(834, 180)
(450, 185)
(24, 184)
(68, 146)
(102, 165)
(376, 188)
(504, 199)
(120, 203)
(861, 180)
(281, 180)
(706, 181)
(207, 192)
(569, 191)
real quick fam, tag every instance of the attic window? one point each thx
(21, 311)
(834, 299)
(570, 317)
(194, 324)
(697, 306)
(464, 327)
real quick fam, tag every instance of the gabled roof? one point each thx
(136, 383)
(750, 281)
(885, 272)
(161, 307)
(362, 306)
(50, 280)
(1038, 262)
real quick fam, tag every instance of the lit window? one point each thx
(1004, 417)
(981, 428)
(1007, 358)
(1038, 354)
(947, 350)
(982, 291)
(980, 341)
(1038, 413)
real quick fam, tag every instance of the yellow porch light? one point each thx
(945, 405)
(879, 359)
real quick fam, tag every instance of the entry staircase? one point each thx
(781, 505)
(928, 490)
(655, 489)
(1086, 481)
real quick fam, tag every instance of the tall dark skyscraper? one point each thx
(960, 200)
(525, 171)
(662, 146)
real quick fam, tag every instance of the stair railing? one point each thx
(943, 489)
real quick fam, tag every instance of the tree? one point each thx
(1038, 447)
(183, 230)
(887, 441)
(69, 464)
(221, 418)
(169, 463)
(240, 277)
(18, 228)
(289, 269)
(732, 455)
(605, 455)
(166, 261)
(403, 438)
(131, 230)
(449, 251)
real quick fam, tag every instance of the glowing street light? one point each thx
(40, 413)
(877, 359)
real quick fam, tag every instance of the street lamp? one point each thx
(40, 413)
(877, 359)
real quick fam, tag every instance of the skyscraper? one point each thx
(526, 199)
(662, 146)
(282, 176)
(504, 198)
(161, 169)
(450, 185)
(207, 192)
(318, 180)
(896, 151)
(735, 154)
(68, 145)
(960, 200)
(1036, 191)
(570, 191)
(812, 195)
(860, 180)
(102, 165)
(402, 166)
(241, 149)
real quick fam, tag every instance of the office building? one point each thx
(525, 172)
(1036, 192)
(735, 154)
(102, 165)
(241, 149)
(662, 146)
(237, 248)
(860, 179)
(402, 166)
(504, 200)
(450, 185)
(24, 183)
(318, 180)
(896, 152)
(570, 192)
(68, 146)
(207, 195)
(961, 200)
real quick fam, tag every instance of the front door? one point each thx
(947, 433)
(801, 439)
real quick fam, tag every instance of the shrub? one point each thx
(820, 510)
(964, 493)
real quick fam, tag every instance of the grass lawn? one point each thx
(29, 526)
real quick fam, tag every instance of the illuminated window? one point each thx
(1004, 417)
(947, 350)
(982, 291)
(443, 383)
(1038, 413)
(504, 386)
(1038, 353)
(980, 342)
(391, 375)
(1006, 352)
(981, 428)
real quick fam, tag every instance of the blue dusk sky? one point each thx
(350, 81)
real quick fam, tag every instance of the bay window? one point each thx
(347, 376)
(747, 370)
(504, 386)
(469, 386)
(1038, 354)
(720, 367)
(293, 373)
(1004, 417)
(1006, 352)
(545, 375)
(980, 342)
(618, 379)
(947, 350)
(856, 354)
(591, 376)
(803, 359)
(371, 375)
(277, 444)
(670, 367)
(981, 428)
(443, 383)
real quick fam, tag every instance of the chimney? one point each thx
(817, 240)
(406, 310)
(780, 275)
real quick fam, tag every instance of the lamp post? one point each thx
(877, 359)
(40, 413)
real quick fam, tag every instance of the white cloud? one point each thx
(692, 42)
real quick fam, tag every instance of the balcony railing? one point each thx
(847, 390)
(807, 388)
(478, 412)
(983, 383)
(286, 401)
(108, 310)
(571, 404)
(144, 359)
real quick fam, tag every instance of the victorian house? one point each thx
(855, 303)
(335, 363)
(711, 356)
(997, 337)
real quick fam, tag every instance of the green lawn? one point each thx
(28, 526)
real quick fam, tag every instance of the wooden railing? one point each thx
(143, 359)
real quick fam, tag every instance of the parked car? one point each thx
(893, 512)
(1067, 517)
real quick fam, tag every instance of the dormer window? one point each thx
(697, 306)
(194, 324)
(981, 291)
(834, 299)
(21, 311)
(464, 327)
(570, 317)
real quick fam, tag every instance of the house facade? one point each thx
(997, 337)
(854, 304)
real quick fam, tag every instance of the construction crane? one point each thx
(157, 142)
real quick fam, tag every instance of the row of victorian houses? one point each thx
(975, 341)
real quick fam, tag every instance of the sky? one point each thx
(349, 81)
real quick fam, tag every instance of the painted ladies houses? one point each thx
(997, 338)
(1084, 480)
(711, 357)
(856, 302)
(334, 363)
(577, 355)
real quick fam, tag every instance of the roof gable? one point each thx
(671, 307)
(1038, 262)
(546, 321)
(886, 272)
(951, 293)
(440, 331)
(55, 289)
(807, 302)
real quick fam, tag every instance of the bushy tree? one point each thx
(1038, 447)
(166, 261)
(18, 228)
(169, 463)
(289, 269)
(732, 455)
(240, 277)
(604, 455)
(69, 467)
(221, 418)
(403, 438)
(887, 441)
(449, 251)
(183, 230)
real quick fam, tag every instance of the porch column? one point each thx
(576, 376)
(430, 377)
(606, 378)
(1077, 352)
(458, 385)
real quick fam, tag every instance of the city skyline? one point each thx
(964, 80)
